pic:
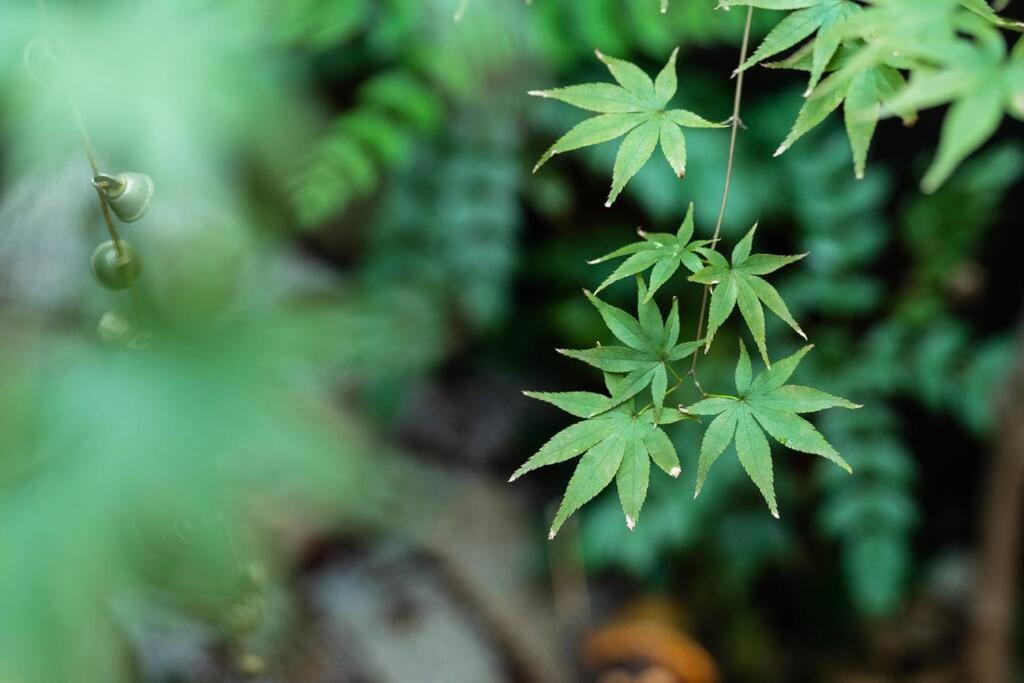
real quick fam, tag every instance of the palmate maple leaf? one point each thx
(615, 437)
(832, 22)
(740, 283)
(861, 91)
(661, 251)
(864, 45)
(618, 444)
(764, 404)
(651, 346)
(635, 108)
(819, 18)
(980, 82)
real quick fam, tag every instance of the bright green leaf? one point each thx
(765, 403)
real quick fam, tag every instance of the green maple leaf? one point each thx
(635, 108)
(618, 444)
(861, 91)
(907, 34)
(661, 251)
(765, 404)
(980, 81)
(822, 19)
(651, 346)
(740, 283)
(892, 25)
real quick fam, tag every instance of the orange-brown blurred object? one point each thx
(649, 633)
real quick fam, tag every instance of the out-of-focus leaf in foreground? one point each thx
(161, 471)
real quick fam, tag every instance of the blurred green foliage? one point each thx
(160, 472)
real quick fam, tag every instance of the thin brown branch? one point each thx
(736, 123)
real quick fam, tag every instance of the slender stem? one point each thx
(108, 219)
(668, 393)
(90, 154)
(673, 371)
(735, 126)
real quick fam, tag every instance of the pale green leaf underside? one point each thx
(764, 404)
(740, 284)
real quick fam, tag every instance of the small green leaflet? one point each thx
(661, 251)
(636, 109)
(740, 283)
(764, 404)
(615, 445)
(651, 345)
(861, 91)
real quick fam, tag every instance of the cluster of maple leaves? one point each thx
(876, 58)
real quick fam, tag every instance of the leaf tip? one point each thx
(801, 332)
(675, 472)
(608, 204)
(551, 535)
(775, 514)
(630, 523)
(780, 151)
